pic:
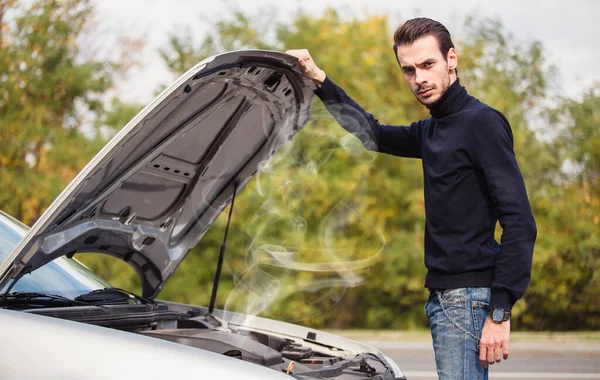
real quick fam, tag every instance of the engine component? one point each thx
(222, 343)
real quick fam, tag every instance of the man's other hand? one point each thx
(494, 342)
(309, 68)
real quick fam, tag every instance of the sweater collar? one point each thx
(451, 102)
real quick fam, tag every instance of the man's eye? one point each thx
(428, 64)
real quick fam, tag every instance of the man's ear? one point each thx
(452, 59)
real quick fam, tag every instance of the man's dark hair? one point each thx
(416, 28)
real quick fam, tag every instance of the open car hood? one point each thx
(152, 192)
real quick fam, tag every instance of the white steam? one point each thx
(286, 255)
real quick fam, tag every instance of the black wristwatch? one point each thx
(499, 315)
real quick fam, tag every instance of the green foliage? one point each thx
(225, 35)
(47, 90)
(563, 296)
(51, 114)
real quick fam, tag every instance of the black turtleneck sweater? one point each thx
(471, 180)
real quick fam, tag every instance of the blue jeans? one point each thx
(456, 318)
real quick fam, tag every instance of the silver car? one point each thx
(147, 198)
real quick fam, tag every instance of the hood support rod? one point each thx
(213, 297)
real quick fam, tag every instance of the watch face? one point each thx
(497, 315)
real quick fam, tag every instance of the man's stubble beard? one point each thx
(445, 86)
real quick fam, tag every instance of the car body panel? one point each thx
(37, 347)
(152, 192)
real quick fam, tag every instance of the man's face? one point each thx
(426, 70)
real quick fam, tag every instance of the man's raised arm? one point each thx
(397, 140)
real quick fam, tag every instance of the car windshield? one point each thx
(63, 276)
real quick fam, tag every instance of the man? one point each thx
(471, 180)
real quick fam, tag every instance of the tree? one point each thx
(50, 94)
(565, 296)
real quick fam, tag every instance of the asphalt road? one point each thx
(541, 360)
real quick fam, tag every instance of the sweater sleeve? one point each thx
(397, 140)
(495, 157)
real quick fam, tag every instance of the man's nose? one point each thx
(420, 77)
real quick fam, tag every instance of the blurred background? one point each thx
(328, 234)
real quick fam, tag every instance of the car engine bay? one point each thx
(299, 358)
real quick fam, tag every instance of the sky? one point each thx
(568, 30)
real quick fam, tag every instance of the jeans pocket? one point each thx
(453, 297)
(455, 307)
